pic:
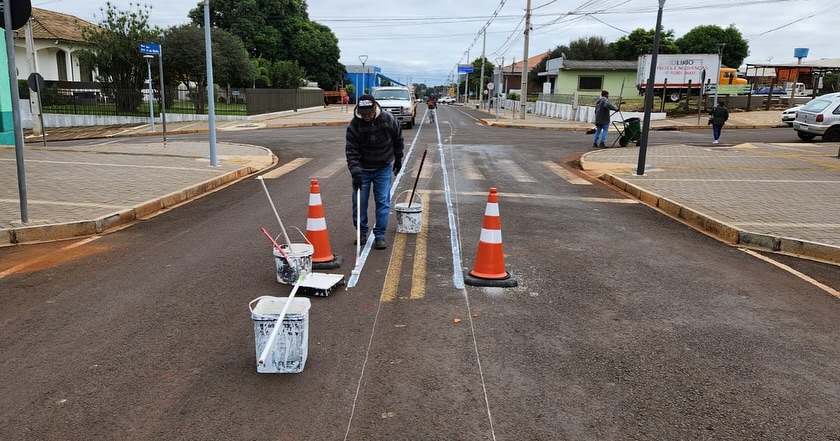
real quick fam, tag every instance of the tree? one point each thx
(640, 42)
(316, 50)
(706, 39)
(287, 75)
(592, 48)
(262, 73)
(121, 69)
(185, 60)
(279, 30)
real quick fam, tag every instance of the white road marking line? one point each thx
(515, 171)
(551, 197)
(330, 170)
(565, 174)
(469, 170)
(286, 168)
(796, 273)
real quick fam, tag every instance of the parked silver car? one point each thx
(819, 117)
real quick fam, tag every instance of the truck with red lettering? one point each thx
(677, 74)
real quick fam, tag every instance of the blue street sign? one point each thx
(149, 49)
(465, 68)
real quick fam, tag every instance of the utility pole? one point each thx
(481, 87)
(467, 82)
(523, 100)
(34, 98)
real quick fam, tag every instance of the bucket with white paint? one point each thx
(291, 347)
(299, 258)
(409, 217)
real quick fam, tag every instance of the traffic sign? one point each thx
(490, 86)
(35, 82)
(149, 49)
(21, 10)
(465, 68)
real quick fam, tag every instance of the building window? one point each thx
(590, 83)
(61, 64)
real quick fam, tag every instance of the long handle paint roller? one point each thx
(419, 169)
(279, 323)
(358, 229)
(277, 215)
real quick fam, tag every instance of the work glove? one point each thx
(357, 182)
(397, 167)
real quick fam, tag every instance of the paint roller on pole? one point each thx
(279, 323)
(419, 169)
(273, 208)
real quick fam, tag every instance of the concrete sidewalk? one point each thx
(777, 197)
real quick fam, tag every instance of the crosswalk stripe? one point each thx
(330, 170)
(286, 168)
(515, 171)
(565, 174)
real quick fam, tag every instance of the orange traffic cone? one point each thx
(316, 232)
(489, 267)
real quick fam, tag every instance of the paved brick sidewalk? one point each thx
(778, 197)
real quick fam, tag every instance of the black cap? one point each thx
(367, 104)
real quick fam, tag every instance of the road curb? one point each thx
(104, 224)
(724, 232)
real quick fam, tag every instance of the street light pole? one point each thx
(640, 170)
(363, 59)
(717, 79)
(151, 95)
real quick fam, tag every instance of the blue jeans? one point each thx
(601, 130)
(381, 181)
(716, 131)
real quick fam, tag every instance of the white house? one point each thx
(55, 39)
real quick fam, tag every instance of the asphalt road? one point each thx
(625, 324)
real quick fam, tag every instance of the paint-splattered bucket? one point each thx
(409, 218)
(288, 356)
(300, 259)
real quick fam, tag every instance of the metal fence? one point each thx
(88, 99)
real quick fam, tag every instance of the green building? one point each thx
(592, 76)
(7, 127)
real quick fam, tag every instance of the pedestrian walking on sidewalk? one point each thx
(719, 116)
(374, 149)
(603, 107)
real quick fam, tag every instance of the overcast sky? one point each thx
(425, 40)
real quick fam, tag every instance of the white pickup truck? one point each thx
(399, 101)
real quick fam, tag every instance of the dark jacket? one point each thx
(373, 145)
(719, 115)
(602, 110)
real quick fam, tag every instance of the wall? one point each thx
(7, 133)
(567, 82)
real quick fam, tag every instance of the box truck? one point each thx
(675, 73)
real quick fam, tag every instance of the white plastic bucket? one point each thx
(300, 259)
(288, 356)
(409, 218)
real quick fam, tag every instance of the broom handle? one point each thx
(277, 215)
(419, 169)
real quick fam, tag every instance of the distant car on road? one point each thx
(789, 115)
(819, 117)
(766, 90)
(446, 100)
